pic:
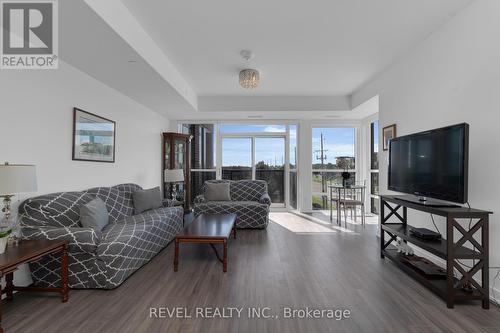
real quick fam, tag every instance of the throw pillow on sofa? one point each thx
(217, 192)
(94, 214)
(147, 199)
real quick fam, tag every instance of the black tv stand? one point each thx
(426, 202)
(450, 289)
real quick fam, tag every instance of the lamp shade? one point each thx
(15, 178)
(174, 175)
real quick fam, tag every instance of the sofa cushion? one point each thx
(251, 214)
(118, 199)
(248, 190)
(130, 243)
(217, 192)
(94, 214)
(55, 210)
(147, 199)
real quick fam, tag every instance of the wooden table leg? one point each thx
(339, 216)
(234, 231)
(9, 285)
(224, 258)
(176, 255)
(64, 274)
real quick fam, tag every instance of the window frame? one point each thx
(218, 148)
(357, 152)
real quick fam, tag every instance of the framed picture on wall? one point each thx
(93, 137)
(388, 133)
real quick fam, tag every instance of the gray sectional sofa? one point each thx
(97, 259)
(249, 200)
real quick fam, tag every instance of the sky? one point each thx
(238, 151)
(375, 136)
(337, 141)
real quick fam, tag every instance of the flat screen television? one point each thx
(431, 164)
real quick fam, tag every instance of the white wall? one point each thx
(452, 77)
(36, 114)
(36, 118)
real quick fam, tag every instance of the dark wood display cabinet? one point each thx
(453, 250)
(176, 155)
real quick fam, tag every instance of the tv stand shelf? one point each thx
(451, 288)
(436, 247)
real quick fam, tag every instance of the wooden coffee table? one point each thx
(207, 229)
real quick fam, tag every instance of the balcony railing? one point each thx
(275, 179)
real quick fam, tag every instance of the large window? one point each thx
(248, 128)
(293, 166)
(202, 155)
(334, 152)
(374, 180)
(246, 151)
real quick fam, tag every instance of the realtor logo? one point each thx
(29, 38)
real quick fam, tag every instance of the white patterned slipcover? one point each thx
(249, 201)
(97, 259)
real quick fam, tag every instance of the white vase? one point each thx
(3, 244)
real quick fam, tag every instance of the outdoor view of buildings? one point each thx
(333, 153)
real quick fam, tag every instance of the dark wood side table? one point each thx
(28, 251)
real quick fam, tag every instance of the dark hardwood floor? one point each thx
(276, 268)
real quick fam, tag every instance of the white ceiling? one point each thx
(313, 54)
(89, 44)
(302, 48)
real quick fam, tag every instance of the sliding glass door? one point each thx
(246, 151)
(270, 165)
(256, 156)
(237, 158)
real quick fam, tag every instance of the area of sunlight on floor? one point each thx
(305, 224)
(324, 215)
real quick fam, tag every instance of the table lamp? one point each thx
(15, 178)
(173, 176)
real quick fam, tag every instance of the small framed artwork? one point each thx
(93, 137)
(388, 133)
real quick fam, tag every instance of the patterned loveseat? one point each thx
(249, 200)
(97, 259)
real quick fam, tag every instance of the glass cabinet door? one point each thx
(179, 149)
(167, 154)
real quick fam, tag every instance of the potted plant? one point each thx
(344, 163)
(4, 237)
(8, 231)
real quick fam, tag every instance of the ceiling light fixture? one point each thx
(249, 78)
